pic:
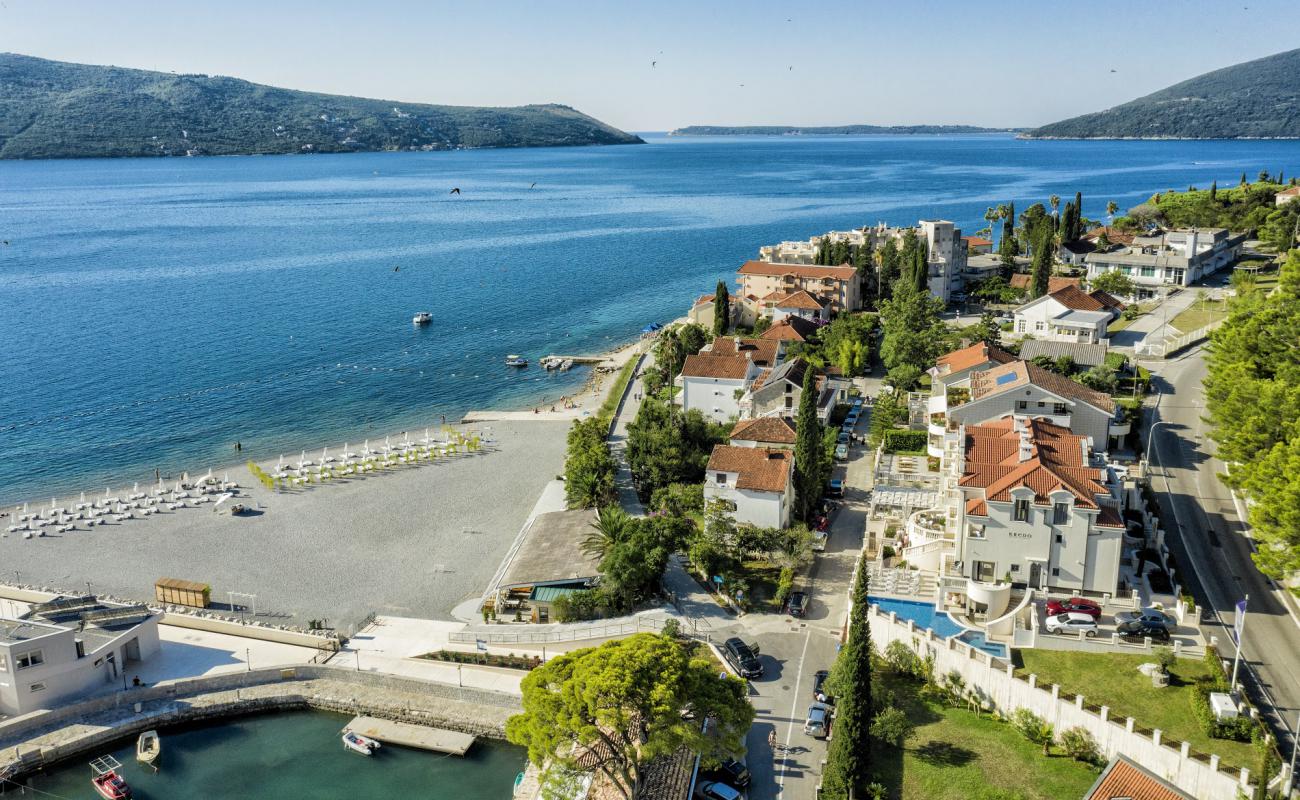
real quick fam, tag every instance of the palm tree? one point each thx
(1055, 200)
(611, 526)
(1111, 208)
(991, 216)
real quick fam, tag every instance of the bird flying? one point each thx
(534, 185)
(455, 191)
(652, 64)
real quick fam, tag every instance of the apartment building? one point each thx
(1169, 259)
(836, 288)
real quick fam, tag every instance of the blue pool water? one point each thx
(153, 312)
(925, 616)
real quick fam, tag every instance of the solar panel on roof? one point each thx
(1005, 379)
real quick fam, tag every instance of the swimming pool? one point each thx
(943, 625)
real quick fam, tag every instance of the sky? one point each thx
(1006, 64)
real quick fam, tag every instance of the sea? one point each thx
(288, 756)
(155, 313)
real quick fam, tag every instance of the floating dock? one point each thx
(405, 734)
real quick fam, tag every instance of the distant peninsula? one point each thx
(55, 109)
(829, 130)
(1258, 99)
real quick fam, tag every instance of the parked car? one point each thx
(857, 403)
(1072, 622)
(818, 722)
(841, 452)
(835, 488)
(820, 538)
(1077, 605)
(843, 438)
(819, 686)
(797, 604)
(716, 790)
(734, 773)
(1137, 630)
(1151, 616)
(743, 657)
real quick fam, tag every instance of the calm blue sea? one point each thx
(154, 312)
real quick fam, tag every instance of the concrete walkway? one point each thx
(627, 411)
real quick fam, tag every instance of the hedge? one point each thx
(898, 441)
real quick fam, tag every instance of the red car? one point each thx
(1076, 604)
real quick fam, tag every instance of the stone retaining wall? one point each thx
(37, 740)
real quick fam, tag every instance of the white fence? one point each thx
(1198, 774)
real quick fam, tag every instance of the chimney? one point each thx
(1026, 447)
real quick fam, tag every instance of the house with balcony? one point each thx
(1168, 259)
(838, 289)
(1036, 511)
(771, 432)
(779, 391)
(713, 384)
(781, 305)
(763, 352)
(1068, 314)
(70, 648)
(757, 482)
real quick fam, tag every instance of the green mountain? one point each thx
(53, 109)
(1256, 100)
(830, 130)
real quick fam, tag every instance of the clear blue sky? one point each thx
(872, 61)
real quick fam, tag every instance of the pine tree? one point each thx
(807, 448)
(721, 309)
(1214, 191)
(1041, 271)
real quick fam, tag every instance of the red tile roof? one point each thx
(797, 270)
(1294, 191)
(799, 299)
(704, 365)
(977, 241)
(973, 356)
(795, 329)
(1115, 235)
(1021, 280)
(758, 469)
(703, 299)
(1073, 297)
(763, 351)
(1123, 779)
(779, 430)
(1054, 461)
(985, 384)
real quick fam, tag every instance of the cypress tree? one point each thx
(848, 763)
(1243, 179)
(1214, 191)
(721, 309)
(1041, 270)
(807, 448)
(921, 269)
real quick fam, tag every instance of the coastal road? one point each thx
(1211, 537)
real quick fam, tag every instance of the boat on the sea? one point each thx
(516, 361)
(148, 748)
(106, 780)
(422, 318)
(360, 744)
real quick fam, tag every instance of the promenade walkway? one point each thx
(627, 411)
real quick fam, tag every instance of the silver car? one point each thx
(1072, 622)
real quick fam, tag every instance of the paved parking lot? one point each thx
(1105, 640)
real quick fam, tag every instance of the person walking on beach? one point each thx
(157, 475)
(239, 448)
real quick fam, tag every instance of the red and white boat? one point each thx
(105, 776)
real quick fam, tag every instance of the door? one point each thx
(1035, 574)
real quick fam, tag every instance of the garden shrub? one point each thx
(1079, 745)
(901, 441)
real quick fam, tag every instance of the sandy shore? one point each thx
(411, 541)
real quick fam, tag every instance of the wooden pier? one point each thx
(405, 734)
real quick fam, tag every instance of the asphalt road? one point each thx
(1210, 536)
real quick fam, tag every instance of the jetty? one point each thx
(420, 737)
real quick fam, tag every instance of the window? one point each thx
(789, 402)
(1015, 567)
(1041, 404)
(1056, 572)
(37, 687)
(984, 571)
(722, 477)
(1040, 325)
(1021, 511)
(29, 659)
(1020, 326)
(1060, 539)
(1060, 514)
(1021, 405)
(1059, 408)
(1147, 272)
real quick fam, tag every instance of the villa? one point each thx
(756, 481)
(71, 647)
(801, 305)
(1068, 314)
(1287, 196)
(791, 329)
(1169, 259)
(836, 288)
(771, 432)
(977, 245)
(714, 384)
(779, 391)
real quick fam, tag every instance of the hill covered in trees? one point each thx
(54, 109)
(833, 130)
(1254, 100)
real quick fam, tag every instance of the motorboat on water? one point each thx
(105, 777)
(516, 361)
(148, 748)
(422, 318)
(360, 744)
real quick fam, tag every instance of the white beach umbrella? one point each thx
(83, 497)
(324, 454)
(135, 488)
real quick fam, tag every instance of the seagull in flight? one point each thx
(534, 186)
(457, 189)
(652, 64)
(1114, 70)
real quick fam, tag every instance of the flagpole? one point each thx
(1241, 636)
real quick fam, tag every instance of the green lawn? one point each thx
(956, 755)
(1112, 679)
(1199, 315)
(1123, 321)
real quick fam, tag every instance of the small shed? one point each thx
(177, 592)
(550, 563)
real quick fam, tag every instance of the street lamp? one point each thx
(1151, 437)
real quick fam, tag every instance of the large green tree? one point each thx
(666, 445)
(721, 309)
(617, 707)
(1252, 394)
(848, 763)
(914, 334)
(1041, 270)
(808, 448)
(589, 468)
(1113, 282)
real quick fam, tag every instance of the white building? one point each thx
(1068, 315)
(714, 384)
(780, 305)
(1174, 258)
(756, 481)
(1287, 195)
(69, 648)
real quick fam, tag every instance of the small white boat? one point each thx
(361, 744)
(566, 365)
(422, 318)
(148, 748)
(516, 361)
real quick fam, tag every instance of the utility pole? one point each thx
(1239, 624)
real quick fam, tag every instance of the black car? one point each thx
(734, 773)
(1138, 629)
(819, 686)
(797, 605)
(743, 657)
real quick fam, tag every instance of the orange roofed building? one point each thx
(836, 289)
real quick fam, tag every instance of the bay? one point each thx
(154, 312)
(292, 755)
